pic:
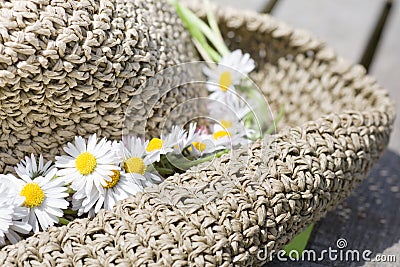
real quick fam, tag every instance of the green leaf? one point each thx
(256, 118)
(63, 221)
(70, 212)
(299, 243)
(278, 118)
(165, 171)
(212, 21)
(195, 25)
(184, 14)
(188, 165)
(70, 190)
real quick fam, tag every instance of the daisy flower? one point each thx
(157, 147)
(203, 145)
(30, 167)
(87, 165)
(229, 72)
(172, 142)
(226, 134)
(120, 187)
(183, 138)
(230, 126)
(220, 139)
(11, 214)
(230, 129)
(191, 135)
(136, 161)
(44, 198)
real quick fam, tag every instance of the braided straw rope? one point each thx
(338, 122)
(71, 67)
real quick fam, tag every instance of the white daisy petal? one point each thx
(40, 166)
(153, 178)
(91, 144)
(89, 204)
(33, 163)
(110, 201)
(12, 236)
(54, 211)
(99, 204)
(71, 150)
(80, 144)
(42, 218)
(58, 203)
(11, 222)
(21, 227)
(65, 162)
(32, 220)
(89, 184)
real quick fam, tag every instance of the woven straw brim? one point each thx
(338, 121)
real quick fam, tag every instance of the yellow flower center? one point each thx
(225, 81)
(154, 144)
(33, 194)
(220, 134)
(135, 165)
(199, 146)
(115, 179)
(85, 163)
(226, 123)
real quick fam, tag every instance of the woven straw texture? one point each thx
(337, 123)
(71, 67)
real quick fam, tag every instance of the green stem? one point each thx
(278, 118)
(165, 171)
(196, 33)
(188, 165)
(203, 53)
(151, 168)
(63, 221)
(196, 26)
(212, 21)
(203, 42)
(70, 212)
(70, 190)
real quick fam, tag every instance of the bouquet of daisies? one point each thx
(95, 173)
